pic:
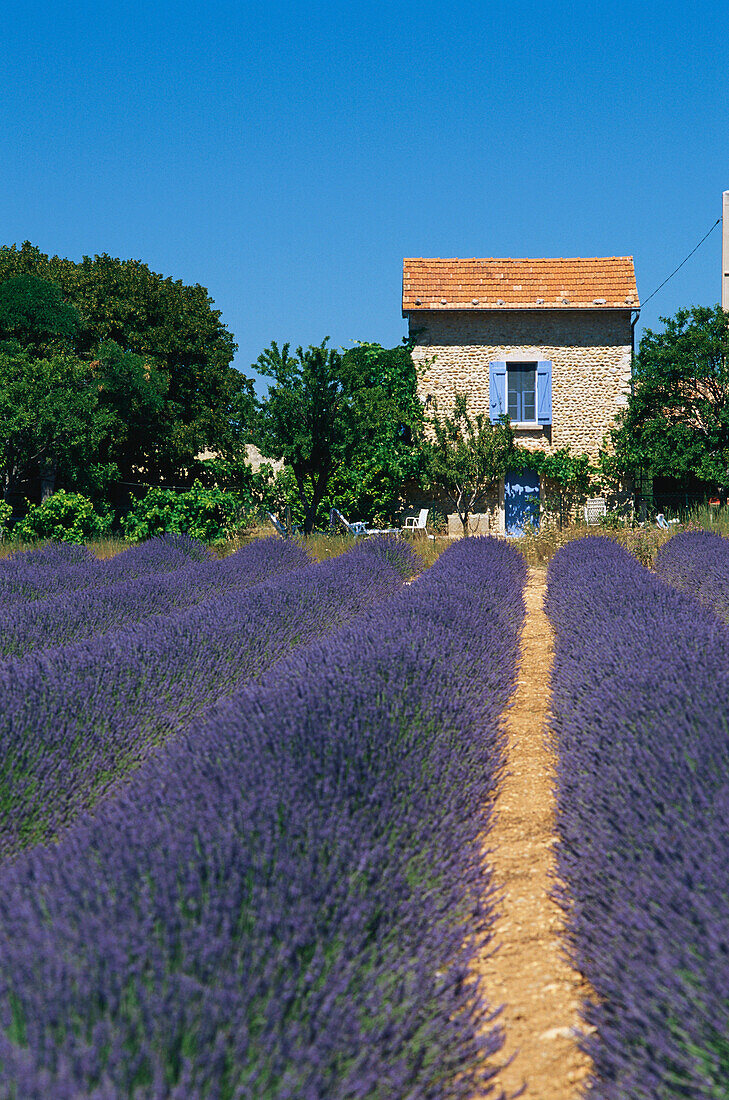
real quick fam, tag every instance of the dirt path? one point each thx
(528, 973)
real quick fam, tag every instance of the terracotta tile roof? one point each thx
(606, 282)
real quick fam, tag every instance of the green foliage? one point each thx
(567, 480)
(51, 421)
(132, 390)
(612, 520)
(209, 514)
(69, 517)
(676, 423)
(465, 455)
(33, 313)
(306, 418)
(283, 499)
(237, 474)
(175, 331)
(384, 451)
(346, 425)
(6, 514)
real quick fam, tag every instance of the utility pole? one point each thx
(725, 252)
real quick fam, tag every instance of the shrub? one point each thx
(640, 688)
(697, 562)
(208, 514)
(76, 719)
(6, 512)
(285, 902)
(66, 517)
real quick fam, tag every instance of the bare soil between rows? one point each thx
(524, 967)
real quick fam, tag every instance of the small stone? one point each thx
(558, 1033)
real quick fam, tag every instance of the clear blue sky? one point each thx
(288, 155)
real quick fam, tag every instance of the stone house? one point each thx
(547, 341)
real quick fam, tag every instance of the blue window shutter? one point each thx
(544, 391)
(497, 390)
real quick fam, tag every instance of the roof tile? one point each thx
(517, 283)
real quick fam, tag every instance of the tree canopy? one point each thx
(172, 327)
(34, 314)
(677, 420)
(306, 418)
(346, 424)
(465, 454)
(51, 421)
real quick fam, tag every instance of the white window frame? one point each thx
(534, 364)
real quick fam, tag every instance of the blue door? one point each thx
(521, 500)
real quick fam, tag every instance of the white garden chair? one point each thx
(356, 529)
(278, 525)
(413, 524)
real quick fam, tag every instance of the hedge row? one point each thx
(284, 903)
(77, 718)
(697, 562)
(640, 690)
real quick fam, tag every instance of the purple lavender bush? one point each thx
(640, 708)
(698, 562)
(395, 551)
(105, 604)
(285, 901)
(52, 556)
(59, 568)
(78, 718)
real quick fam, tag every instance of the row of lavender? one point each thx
(284, 902)
(697, 562)
(56, 596)
(76, 718)
(640, 691)
(64, 567)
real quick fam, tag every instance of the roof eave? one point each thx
(521, 309)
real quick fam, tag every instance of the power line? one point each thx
(681, 264)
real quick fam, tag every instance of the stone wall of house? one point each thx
(589, 350)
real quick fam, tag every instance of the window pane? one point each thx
(522, 391)
(528, 410)
(514, 393)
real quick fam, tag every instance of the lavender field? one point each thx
(640, 712)
(242, 804)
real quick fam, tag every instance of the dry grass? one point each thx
(103, 548)
(320, 546)
(538, 547)
(108, 547)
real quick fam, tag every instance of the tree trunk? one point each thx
(318, 489)
(48, 480)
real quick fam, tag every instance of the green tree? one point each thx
(173, 327)
(132, 390)
(51, 421)
(387, 420)
(567, 481)
(465, 455)
(307, 418)
(34, 315)
(347, 426)
(676, 423)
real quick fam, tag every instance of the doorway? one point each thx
(521, 500)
